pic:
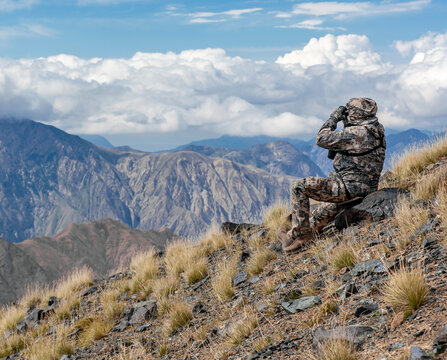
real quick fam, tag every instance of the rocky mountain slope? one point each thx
(102, 245)
(278, 157)
(51, 179)
(374, 290)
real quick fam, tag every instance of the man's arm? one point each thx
(352, 138)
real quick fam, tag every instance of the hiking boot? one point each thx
(303, 238)
(283, 236)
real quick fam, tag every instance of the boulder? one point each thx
(373, 266)
(376, 206)
(143, 311)
(301, 304)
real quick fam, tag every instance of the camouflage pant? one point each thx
(330, 190)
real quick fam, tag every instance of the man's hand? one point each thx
(339, 113)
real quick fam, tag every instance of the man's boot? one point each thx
(283, 236)
(296, 243)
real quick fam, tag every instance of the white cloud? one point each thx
(430, 41)
(311, 24)
(12, 5)
(213, 92)
(344, 52)
(209, 17)
(28, 30)
(344, 9)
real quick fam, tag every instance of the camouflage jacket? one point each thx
(360, 152)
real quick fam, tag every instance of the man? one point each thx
(358, 152)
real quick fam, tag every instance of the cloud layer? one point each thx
(211, 91)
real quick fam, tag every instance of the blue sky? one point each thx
(154, 74)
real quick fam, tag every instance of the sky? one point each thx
(156, 74)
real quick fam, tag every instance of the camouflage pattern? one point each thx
(359, 155)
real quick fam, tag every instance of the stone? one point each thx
(65, 357)
(245, 255)
(373, 266)
(143, 311)
(90, 290)
(419, 354)
(428, 243)
(376, 206)
(234, 228)
(301, 304)
(365, 309)
(419, 333)
(355, 334)
(199, 308)
(293, 294)
(440, 342)
(143, 328)
(425, 229)
(121, 326)
(346, 290)
(239, 278)
(254, 279)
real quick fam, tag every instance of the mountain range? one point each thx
(103, 245)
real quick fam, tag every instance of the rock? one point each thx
(346, 290)
(65, 357)
(245, 255)
(419, 333)
(21, 326)
(143, 328)
(53, 300)
(377, 206)
(239, 278)
(355, 334)
(254, 279)
(418, 354)
(372, 266)
(365, 309)
(74, 333)
(143, 311)
(121, 326)
(293, 294)
(425, 229)
(234, 228)
(428, 243)
(440, 342)
(90, 290)
(301, 304)
(199, 308)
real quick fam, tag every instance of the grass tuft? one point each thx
(335, 349)
(342, 256)
(146, 268)
(51, 347)
(243, 328)
(11, 315)
(215, 239)
(96, 330)
(196, 270)
(259, 259)
(405, 290)
(275, 217)
(180, 314)
(73, 282)
(111, 306)
(222, 282)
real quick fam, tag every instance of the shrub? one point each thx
(406, 289)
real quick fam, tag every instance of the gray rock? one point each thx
(90, 290)
(355, 334)
(239, 278)
(143, 311)
(376, 206)
(254, 279)
(428, 242)
(373, 266)
(121, 326)
(365, 309)
(346, 290)
(419, 354)
(440, 342)
(143, 328)
(65, 357)
(425, 229)
(301, 304)
(199, 308)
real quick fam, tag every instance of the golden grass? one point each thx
(11, 315)
(110, 304)
(146, 268)
(180, 314)
(196, 270)
(214, 239)
(222, 284)
(408, 219)
(64, 310)
(73, 282)
(344, 255)
(269, 285)
(243, 328)
(35, 295)
(177, 257)
(165, 286)
(51, 347)
(275, 217)
(405, 289)
(96, 330)
(259, 259)
(441, 208)
(335, 349)
(413, 161)
(12, 344)
(428, 185)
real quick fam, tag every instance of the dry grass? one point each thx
(408, 219)
(51, 347)
(259, 259)
(428, 185)
(35, 295)
(196, 270)
(64, 310)
(96, 330)
(214, 240)
(146, 268)
(275, 217)
(11, 315)
(222, 284)
(335, 349)
(405, 290)
(413, 161)
(179, 315)
(73, 282)
(111, 306)
(165, 286)
(243, 328)
(12, 344)
(344, 255)
(176, 257)
(269, 285)
(441, 208)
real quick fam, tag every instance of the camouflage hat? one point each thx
(361, 108)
